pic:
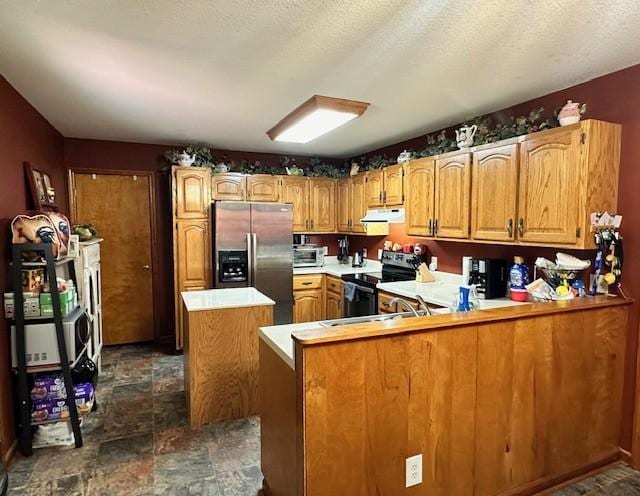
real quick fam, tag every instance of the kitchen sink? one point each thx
(369, 318)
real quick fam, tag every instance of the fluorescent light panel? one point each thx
(315, 117)
(315, 124)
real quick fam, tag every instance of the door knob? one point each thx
(146, 267)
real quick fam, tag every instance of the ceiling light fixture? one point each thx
(315, 117)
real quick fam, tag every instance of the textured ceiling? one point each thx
(223, 72)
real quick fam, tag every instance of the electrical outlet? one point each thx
(414, 470)
(434, 263)
(364, 253)
(325, 250)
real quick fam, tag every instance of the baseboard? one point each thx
(9, 455)
(625, 456)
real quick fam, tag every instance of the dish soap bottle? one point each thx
(518, 279)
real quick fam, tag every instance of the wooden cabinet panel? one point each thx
(228, 187)
(334, 306)
(307, 281)
(262, 187)
(375, 187)
(494, 193)
(384, 303)
(358, 202)
(549, 181)
(322, 205)
(296, 190)
(193, 254)
(344, 204)
(420, 187)
(307, 305)
(192, 192)
(334, 284)
(453, 181)
(393, 185)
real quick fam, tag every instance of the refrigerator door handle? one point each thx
(254, 256)
(250, 251)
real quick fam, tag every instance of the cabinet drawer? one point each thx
(334, 285)
(309, 281)
(384, 303)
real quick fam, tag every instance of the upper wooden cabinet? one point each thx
(494, 193)
(374, 190)
(453, 182)
(344, 205)
(322, 205)
(358, 202)
(420, 179)
(192, 192)
(228, 186)
(295, 190)
(549, 184)
(263, 188)
(393, 185)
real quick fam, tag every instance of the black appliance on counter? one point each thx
(489, 275)
(395, 267)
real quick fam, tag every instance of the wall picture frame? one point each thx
(40, 188)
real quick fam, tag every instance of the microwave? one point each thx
(41, 345)
(308, 256)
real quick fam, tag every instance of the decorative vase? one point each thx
(294, 171)
(405, 156)
(464, 136)
(354, 169)
(186, 160)
(569, 114)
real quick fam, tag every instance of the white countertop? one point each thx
(438, 293)
(215, 299)
(279, 338)
(334, 268)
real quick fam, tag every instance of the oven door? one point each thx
(365, 302)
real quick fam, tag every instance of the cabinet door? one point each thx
(228, 187)
(549, 177)
(334, 306)
(322, 207)
(296, 190)
(420, 187)
(192, 193)
(193, 254)
(358, 202)
(262, 187)
(494, 193)
(375, 188)
(344, 205)
(307, 305)
(393, 185)
(453, 180)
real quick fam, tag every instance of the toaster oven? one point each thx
(308, 256)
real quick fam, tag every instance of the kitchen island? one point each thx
(500, 401)
(221, 352)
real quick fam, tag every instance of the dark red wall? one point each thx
(24, 136)
(615, 98)
(96, 154)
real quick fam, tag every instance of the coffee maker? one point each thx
(343, 250)
(489, 276)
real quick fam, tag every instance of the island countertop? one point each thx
(215, 299)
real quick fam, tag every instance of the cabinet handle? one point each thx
(510, 228)
(307, 283)
(386, 305)
(380, 197)
(521, 226)
(435, 227)
(430, 227)
(311, 223)
(384, 197)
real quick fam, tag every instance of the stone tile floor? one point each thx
(138, 444)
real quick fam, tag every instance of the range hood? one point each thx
(384, 215)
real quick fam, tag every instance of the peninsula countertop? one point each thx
(215, 299)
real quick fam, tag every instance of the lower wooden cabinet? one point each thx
(307, 305)
(334, 298)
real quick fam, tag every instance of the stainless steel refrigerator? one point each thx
(252, 246)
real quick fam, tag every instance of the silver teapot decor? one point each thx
(186, 160)
(464, 136)
(405, 156)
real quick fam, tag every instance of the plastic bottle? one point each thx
(518, 279)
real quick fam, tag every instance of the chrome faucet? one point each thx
(405, 304)
(423, 305)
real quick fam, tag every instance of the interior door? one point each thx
(420, 187)
(323, 205)
(494, 193)
(120, 206)
(453, 182)
(549, 175)
(296, 190)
